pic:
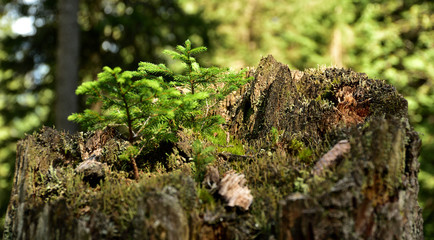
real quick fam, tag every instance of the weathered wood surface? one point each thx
(337, 155)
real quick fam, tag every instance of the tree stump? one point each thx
(328, 154)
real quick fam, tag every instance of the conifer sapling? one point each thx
(148, 104)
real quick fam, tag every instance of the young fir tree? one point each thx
(149, 104)
(202, 87)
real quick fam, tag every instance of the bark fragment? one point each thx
(232, 188)
(326, 161)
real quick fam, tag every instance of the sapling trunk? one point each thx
(131, 137)
(135, 169)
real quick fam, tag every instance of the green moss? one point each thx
(206, 199)
(305, 155)
(300, 185)
(279, 159)
(219, 139)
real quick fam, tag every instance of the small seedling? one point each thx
(154, 102)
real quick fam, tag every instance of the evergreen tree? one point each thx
(114, 33)
(148, 103)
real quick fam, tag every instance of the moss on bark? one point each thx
(281, 124)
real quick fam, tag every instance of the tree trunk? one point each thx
(329, 154)
(68, 50)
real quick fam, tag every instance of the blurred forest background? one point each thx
(44, 54)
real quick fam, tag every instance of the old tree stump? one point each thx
(324, 154)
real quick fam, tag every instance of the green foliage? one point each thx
(202, 87)
(202, 156)
(200, 78)
(148, 102)
(143, 106)
(150, 106)
(130, 152)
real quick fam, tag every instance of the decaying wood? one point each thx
(234, 157)
(331, 156)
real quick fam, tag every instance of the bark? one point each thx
(330, 155)
(68, 50)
